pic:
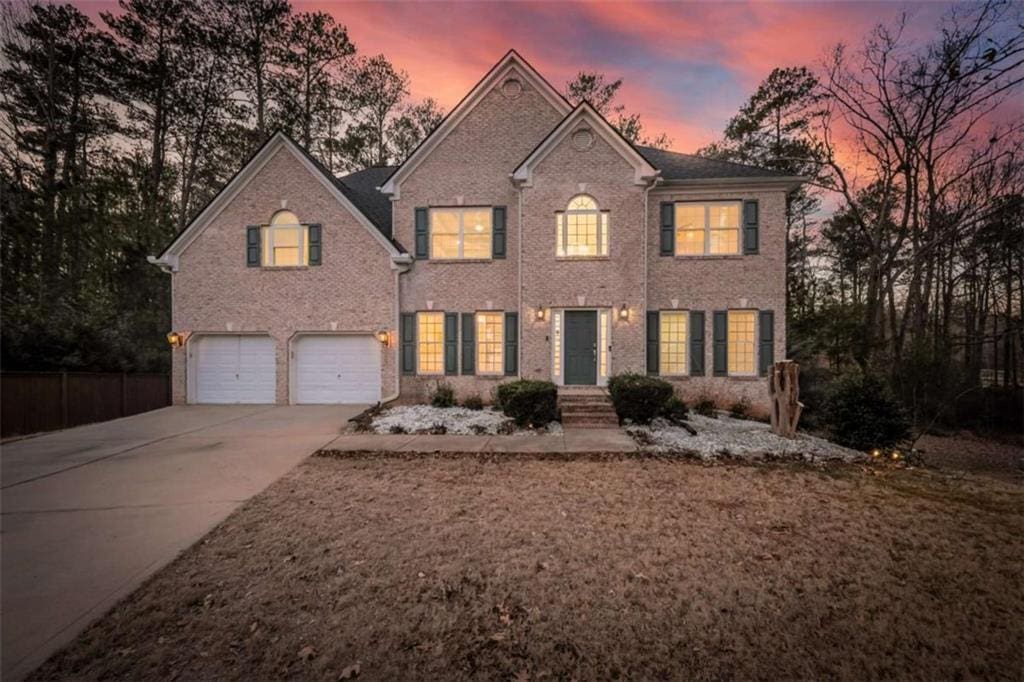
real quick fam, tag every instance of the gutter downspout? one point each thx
(400, 265)
(647, 193)
(519, 267)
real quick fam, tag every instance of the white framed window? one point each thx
(490, 343)
(285, 241)
(460, 233)
(673, 328)
(603, 346)
(582, 229)
(708, 227)
(556, 345)
(742, 351)
(430, 343)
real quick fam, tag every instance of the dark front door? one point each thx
(581, 347)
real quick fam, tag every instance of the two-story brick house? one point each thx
(523, 238)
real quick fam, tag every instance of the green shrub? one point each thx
(705, 406)
(638, 397)
(674, 410)
(861, 412)
(528, 402)
(443, 395)
(740, 409)
(473, 402)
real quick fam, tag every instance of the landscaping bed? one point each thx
(726, 437)
(459, 421)
(458, 568)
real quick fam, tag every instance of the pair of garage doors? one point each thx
(325, 369)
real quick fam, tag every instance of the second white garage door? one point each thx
(337, 369)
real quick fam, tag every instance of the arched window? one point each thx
(285, 241)
(582, 229)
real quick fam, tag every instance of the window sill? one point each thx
(742, 377)
(713, 256)
(283, 268)
(460, 260)
(581, 258)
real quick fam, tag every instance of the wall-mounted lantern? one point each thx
(540, 313)
(623, 312)
(176, 339)
(384, 336)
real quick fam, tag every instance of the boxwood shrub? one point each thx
(638, 397)
(528, 402)
(862, 412)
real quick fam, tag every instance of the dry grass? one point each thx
(442, 568)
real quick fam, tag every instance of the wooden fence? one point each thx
(31, 402)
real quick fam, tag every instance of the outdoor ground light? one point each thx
(623, 312)
(176, 339)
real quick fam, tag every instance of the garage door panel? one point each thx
(337, 369)
(235, 369)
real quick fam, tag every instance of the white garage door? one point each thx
(337, 369)
(235, 369)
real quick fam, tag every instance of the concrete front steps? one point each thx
(586, 407)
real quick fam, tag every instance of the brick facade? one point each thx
(355, 288)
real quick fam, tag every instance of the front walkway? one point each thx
(572, 440)
(90, 512)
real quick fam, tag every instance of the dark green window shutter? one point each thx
(720, 343)
(750, 230)
(766, 349)
(511, 344)
(498, 232)
(668, 228)
(252, 246)
(315, 246)
(408, 334)
(422, 233)
(468, 343)
(696, 343)
(451, 343)
(653, 349)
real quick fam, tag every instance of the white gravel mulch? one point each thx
(737, 438)
(458, 421)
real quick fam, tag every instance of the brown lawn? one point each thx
(444, 568)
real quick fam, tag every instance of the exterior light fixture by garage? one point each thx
(540, 313)
(623, 312)
(384, 336)
(176, 339)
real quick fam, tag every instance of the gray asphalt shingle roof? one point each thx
(677, 166)
(361, 189)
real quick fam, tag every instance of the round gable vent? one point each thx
(583, 139)
(512, 88)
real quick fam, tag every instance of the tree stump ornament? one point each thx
(784, 389)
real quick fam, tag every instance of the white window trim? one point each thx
(501, 344)
(461, 212)
(268, 239)
(755, 342)
(707, 229)
(603, 230)
(419, 362)
(686, 344)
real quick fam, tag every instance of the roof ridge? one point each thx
(710, 158)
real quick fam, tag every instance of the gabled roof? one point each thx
(678, 166)
(279, 140)
(585, 116)
(511, 63)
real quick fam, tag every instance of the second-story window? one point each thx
(707, 228)
(460, 233)
(582, 229)
(285, 241)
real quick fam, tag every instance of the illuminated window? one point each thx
(602, 345)
(285, 241)
(556, 344)
(672, 342)
(582, 229)
(741, 341)
(707, 228)
(490, 341)
(457, 233)
(430, 342)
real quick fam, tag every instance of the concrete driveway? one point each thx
(90, 512)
